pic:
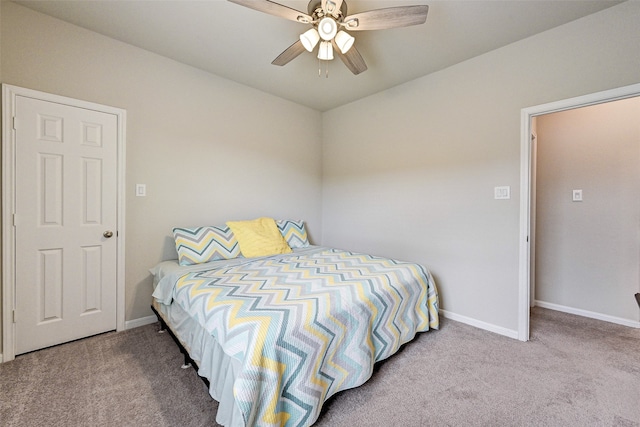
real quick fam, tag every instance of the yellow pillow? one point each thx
(259, 237)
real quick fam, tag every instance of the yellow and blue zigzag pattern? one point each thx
(306, 326)
(203, 244)
(294, 232)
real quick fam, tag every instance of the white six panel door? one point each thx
(66, 206)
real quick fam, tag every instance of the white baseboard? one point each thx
(480, 324)
(590, 314)
(136, 323)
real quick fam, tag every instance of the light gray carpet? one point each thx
(574, 372)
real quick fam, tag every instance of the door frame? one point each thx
(526, 215)
(9, 94)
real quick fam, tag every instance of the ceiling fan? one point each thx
(329, 25)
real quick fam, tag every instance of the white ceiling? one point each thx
(239, 43)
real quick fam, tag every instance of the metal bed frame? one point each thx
(188, 361)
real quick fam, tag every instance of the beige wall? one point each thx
(209, 150)
(410, 172)
(587, 252)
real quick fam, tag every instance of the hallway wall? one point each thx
(588, 252)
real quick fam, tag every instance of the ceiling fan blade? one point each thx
(335, 6)
(289, 54)
(276, 9)
(392, 17)
(352, 59)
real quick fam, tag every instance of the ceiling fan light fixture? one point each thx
(325, 52)
(327, 28)
(327, 18)
(344, 41)
(310, 39)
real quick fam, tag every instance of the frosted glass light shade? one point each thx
(344, 41)
(310, 39)
(327, 28)
(326, 51)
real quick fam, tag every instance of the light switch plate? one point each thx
(141, 190)
(502, 193)
(577, 195)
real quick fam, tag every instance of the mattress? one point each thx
(277, 336)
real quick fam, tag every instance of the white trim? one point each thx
(136, 323)
(525, 183)
(7, 230)
(590, 314)
(9, 94)
(120, 232)
(525, 227)
(480, 324)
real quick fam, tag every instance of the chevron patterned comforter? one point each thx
(307, 325)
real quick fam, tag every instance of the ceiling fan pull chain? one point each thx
(326, 68)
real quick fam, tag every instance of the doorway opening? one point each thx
(527, 200)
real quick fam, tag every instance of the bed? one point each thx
(275, 336)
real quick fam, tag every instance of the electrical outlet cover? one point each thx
(577, 195)
(502, 193)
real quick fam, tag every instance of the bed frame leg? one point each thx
(163, 326)
(187, 361)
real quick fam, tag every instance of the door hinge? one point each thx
(14, 316)
(15, 220)
(15, 123)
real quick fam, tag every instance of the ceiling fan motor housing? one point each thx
(315, 8)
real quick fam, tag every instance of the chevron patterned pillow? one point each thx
(203, 244)
(294, 232)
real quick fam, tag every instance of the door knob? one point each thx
(107, 234)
